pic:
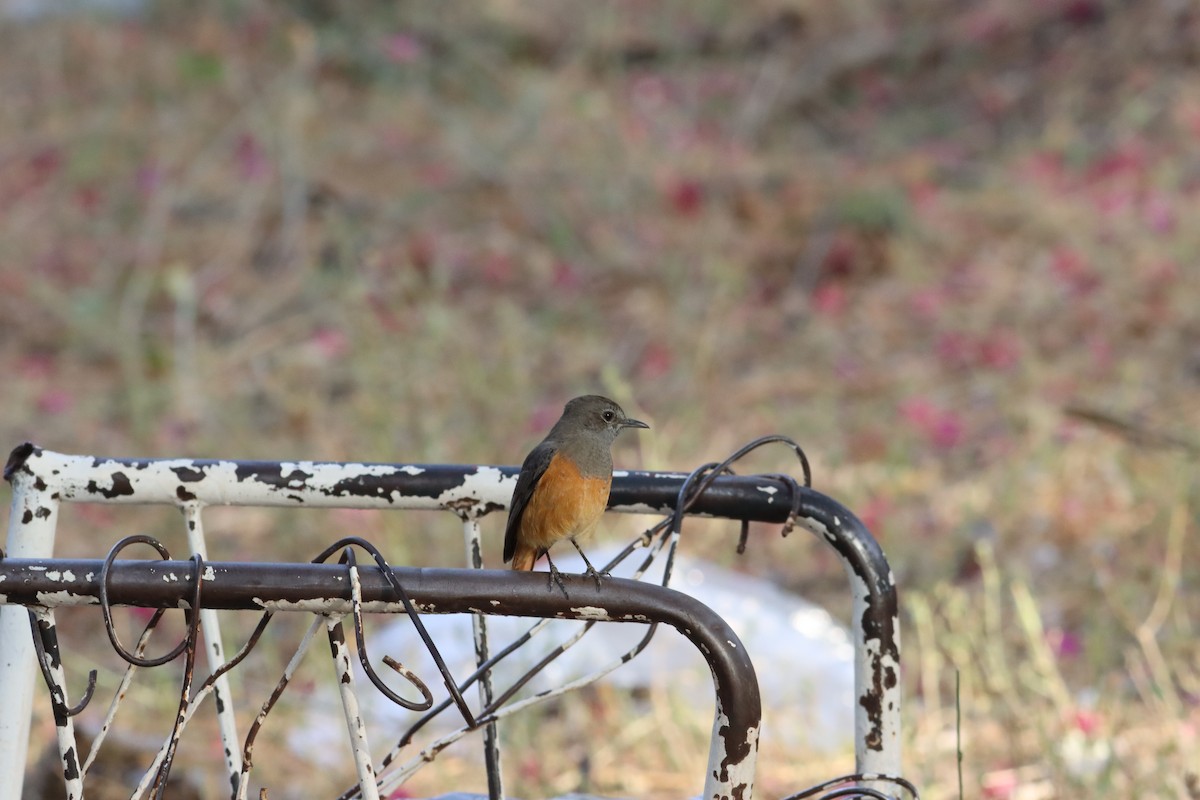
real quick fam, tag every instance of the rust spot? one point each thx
(42, 513)
(183, 494)
(27, 517)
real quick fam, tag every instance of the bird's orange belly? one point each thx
(564, 504)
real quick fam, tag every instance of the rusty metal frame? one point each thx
(42, 480)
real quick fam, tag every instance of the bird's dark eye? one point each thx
(608, 416)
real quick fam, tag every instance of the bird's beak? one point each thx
(633, 423)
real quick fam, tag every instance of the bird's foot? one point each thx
(596, 575)
(555, 577)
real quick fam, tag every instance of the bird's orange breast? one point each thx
(564, 504)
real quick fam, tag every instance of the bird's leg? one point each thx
(590, 569)
(555, 575)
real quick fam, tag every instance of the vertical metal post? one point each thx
(491, 739)
(32, 520)
(210, 623)
(68, 747)
(875, 626)
(359, 743)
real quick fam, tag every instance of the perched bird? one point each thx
(562, 489)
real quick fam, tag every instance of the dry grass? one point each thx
(912, 242)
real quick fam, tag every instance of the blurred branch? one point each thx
(1135, 431)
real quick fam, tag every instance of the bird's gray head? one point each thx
(593, 414)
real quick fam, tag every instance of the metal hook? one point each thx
(356, 613)
(411, 609)
(45, 630)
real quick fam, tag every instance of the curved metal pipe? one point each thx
(304, 587)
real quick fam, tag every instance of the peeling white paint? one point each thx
(484, 485)
(209, 573)
(65, 598)
(738, 774)
(591, 612)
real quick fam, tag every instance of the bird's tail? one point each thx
(523, 557)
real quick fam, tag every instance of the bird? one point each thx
(562, 488)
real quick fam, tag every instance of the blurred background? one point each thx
(949, 246)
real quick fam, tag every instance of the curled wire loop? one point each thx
(355, 541)
(190, 615)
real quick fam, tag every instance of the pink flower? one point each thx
(829, 299)
(330, 343)
(1158, 213)
(954, 349)
(656, 361)
(148, 179)
(873, 513)
(919, 412)
(686, 196)
(403, 48)
(943, 428)
(1001, 784)
(54, 401)
(567, 276)
(928, 303)
(1065, 644)
(1087, 721)
(1000, 350)
(947, 431)
(498, 268)
(1073, 270)
(252, 161)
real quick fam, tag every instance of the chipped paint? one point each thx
(65, 598)
(731, 766)
(590, 612)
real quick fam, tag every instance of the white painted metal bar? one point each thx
(210, 624)
(360, 745)
(31, 526)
